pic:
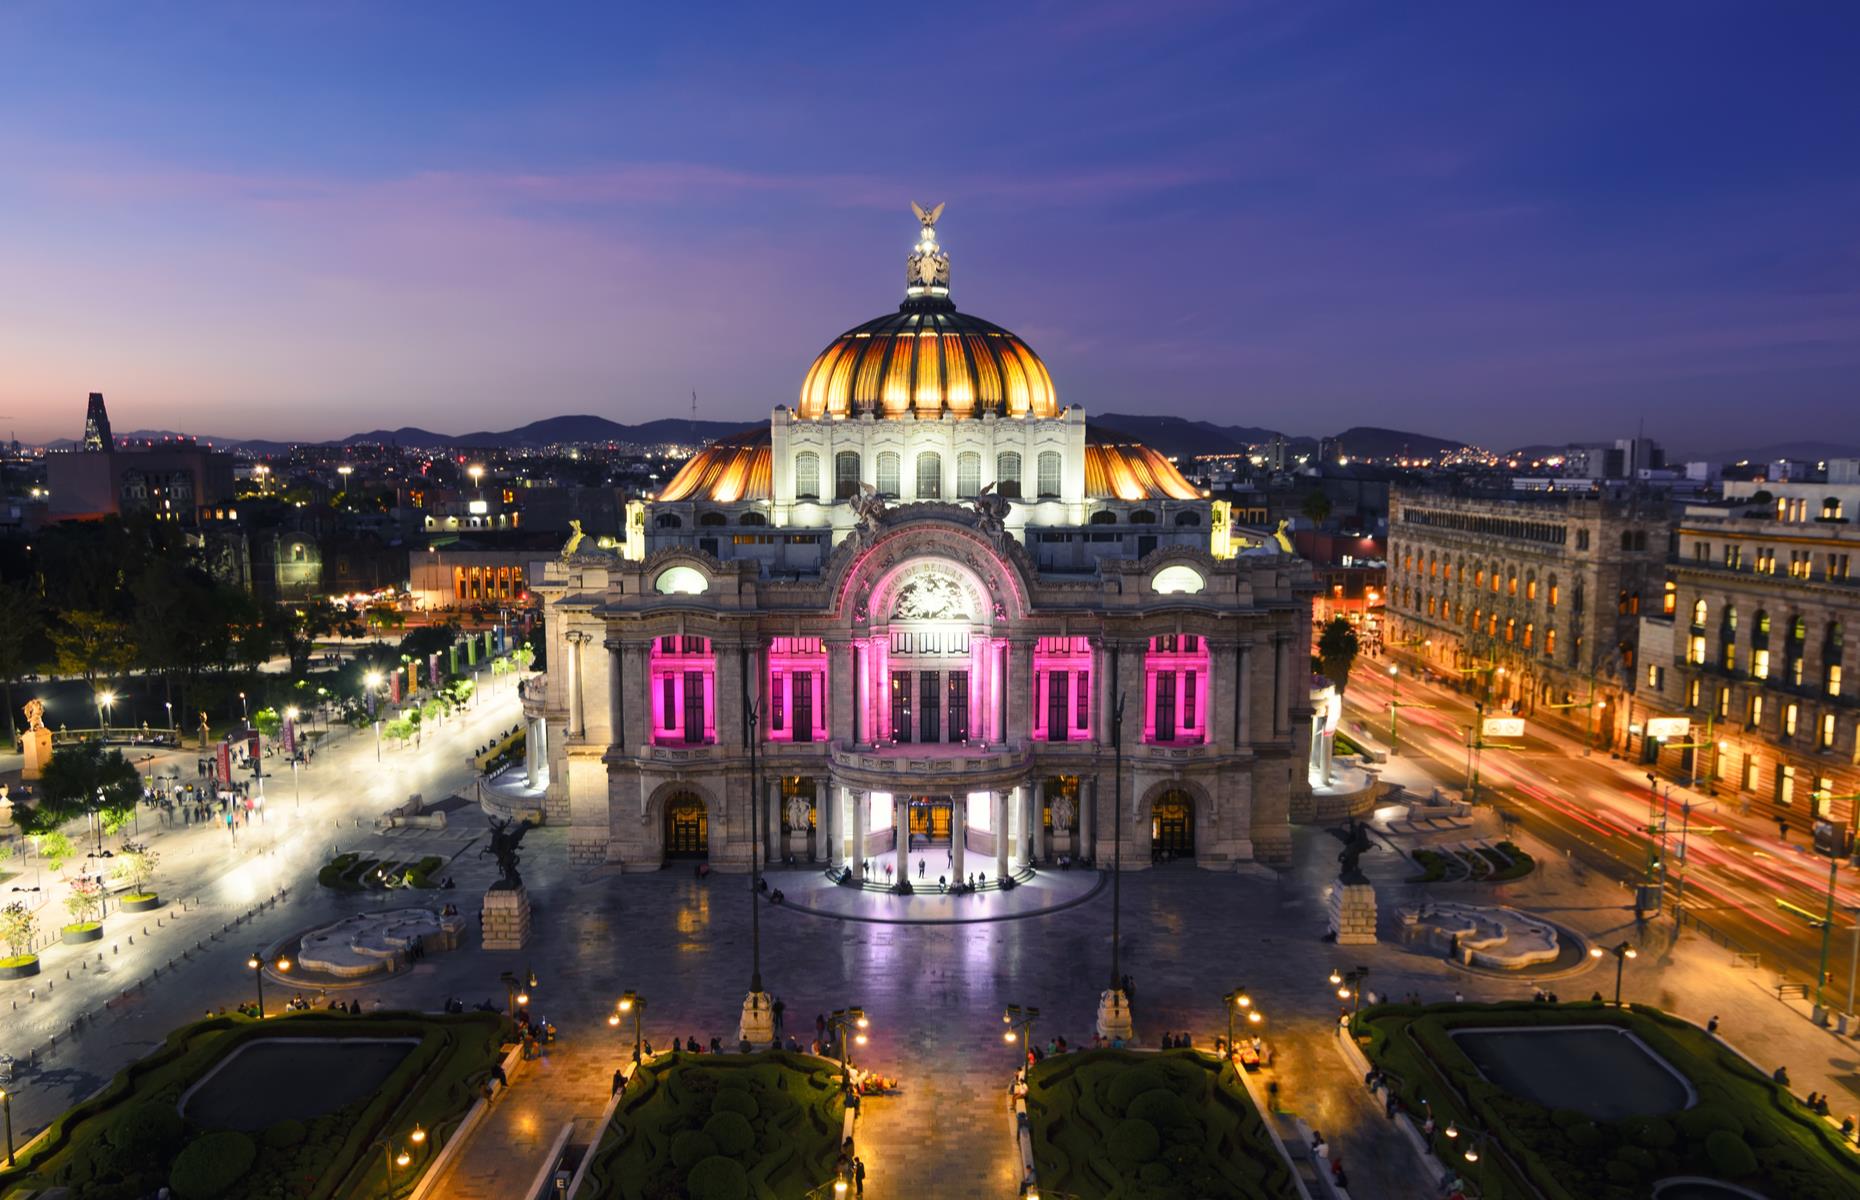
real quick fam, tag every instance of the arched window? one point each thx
(888, 474)
(1549, 643)
(1552, 596)
(1511, 583)
(1103, 516)
(713, 518)
(1143, 516)
(753, 518)
(1530, 634)
(930, 476)
(968, 475)
(1699, 611)
(1007, 475)
(845, 475)
(1188, 518)
(807, 475)
(1049, 474)
(668, 521)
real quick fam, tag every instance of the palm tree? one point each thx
(1337, 652)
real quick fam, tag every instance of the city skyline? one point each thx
(1514, 228)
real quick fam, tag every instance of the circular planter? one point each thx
(146, 903)
(77, 935)
(20, 970)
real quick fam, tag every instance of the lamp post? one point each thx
(245, 712)
(1019, 1022)
(752, 717)
(1116, 992)
(517, 991)
(297, 800)
(1349, 985)
(391, 1158)
(106, 700)
(1238, 1001)
(1622, 952)
(634, 1003)
(848, 1021)
(257, 965)
(169, 705)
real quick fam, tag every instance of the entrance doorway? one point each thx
(930, 820)
(687, 827)
(1172, 826)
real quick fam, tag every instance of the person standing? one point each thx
(778, 1008)
(859, 1176)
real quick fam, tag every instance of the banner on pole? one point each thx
(1504, 727)
(1665, 728)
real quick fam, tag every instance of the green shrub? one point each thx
(690, 1147)
(284, 1135)
(731, 1131)
(1701, 1121)
(1639, 1156)
(1729, 1154)
(1155, 1174)
(1586, 1136)
(1160, 1108)
(1624, 1172)
(148, 1130)
(734, 1097)
(210, 1164)
(717, 1179)
(1653, 1132)
(1132, 1083)
(1133, 1143)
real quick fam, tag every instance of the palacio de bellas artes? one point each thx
(928, 611)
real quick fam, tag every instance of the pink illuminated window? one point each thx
(797, 690)
(1176, 690)
(1062, 689)
(684, 686)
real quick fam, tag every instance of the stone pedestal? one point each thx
(38, 752)
(1352, 909)
(757, 1026)
(1114, 1015)
(798, 846)
(506, 915)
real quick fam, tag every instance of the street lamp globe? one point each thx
(1596, 951)
(418, 1135)
(1335, 978)
(402, 1159)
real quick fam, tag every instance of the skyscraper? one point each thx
(97, 425)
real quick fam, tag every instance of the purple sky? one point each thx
(1509, 223)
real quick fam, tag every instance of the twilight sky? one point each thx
(1504, 222)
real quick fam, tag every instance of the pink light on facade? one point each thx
(797, 690)
(1175, 678)
(684, 691)
(1062, 671)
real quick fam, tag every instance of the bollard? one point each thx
(132, 939)
(48, 986)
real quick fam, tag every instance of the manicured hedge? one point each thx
(1744, 1129)
(124, 1142)
(722, 1127)
(1114, 1123)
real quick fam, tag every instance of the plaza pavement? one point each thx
(935, 993)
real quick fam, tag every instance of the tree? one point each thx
(86, 780)
(19, 928)
(22, 644)
(55, 848)
(1317, 507)
(1337, 652)
(135, 864)
(85, 900)
(268, 722)
(92, 645)
(296, 627)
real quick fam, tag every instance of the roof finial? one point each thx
(927, 271)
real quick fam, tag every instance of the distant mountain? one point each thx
(556, 431)
(1180, 436)
(1368, 441)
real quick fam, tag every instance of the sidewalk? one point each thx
(504, 1153)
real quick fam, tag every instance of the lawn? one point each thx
(1118, 1125)
(130, 1139)
(353, 873)
(722, 1127)
(1744, 1129)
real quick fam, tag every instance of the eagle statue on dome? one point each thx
(928, 265)
(991, 510)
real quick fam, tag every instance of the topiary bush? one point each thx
(690, 1147)
(1729, 1154)
(717, 1178)
(1133, 1083)
(1133, 1143)
(284, 1134)
(1163, 1109)
(148, 1129)
(210, 1164)
(734, 1097)
(731, 1131)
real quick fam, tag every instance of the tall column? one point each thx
(1023, 837)
(616, 708)
(1036, 802)
(841, 692)
(901, 832)
(729, 670)
(635, 696)
(1281, 685)
(577, 716)
(1245, 689)
(1088, 811)
(958, 836)
(777, 845)
(833, 824)
(858, 834)
(1000, 797)
(821, 808)
(532, 752)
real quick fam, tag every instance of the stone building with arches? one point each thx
(908, 615)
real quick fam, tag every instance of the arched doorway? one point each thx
(1172, 826)
(687, 827)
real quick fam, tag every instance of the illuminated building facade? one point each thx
(931, 584)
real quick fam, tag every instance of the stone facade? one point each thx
(1529, 600)
(1757, 654)
(506, 918)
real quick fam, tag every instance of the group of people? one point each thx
(1320, 1150)
(535, 1034)
(851, 1167)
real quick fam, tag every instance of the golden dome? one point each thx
(927, 359)
(1117, 468)
(728, 471)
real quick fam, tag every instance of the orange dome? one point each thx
(927, 359)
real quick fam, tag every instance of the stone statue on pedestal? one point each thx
(506, 835)
(37, 740)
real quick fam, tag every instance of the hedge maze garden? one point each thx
(1117, 1125)
(722, 1127)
